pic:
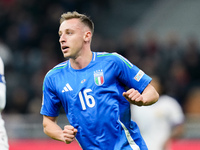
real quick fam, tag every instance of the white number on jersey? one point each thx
(89, 99)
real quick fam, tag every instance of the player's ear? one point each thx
(87, 36)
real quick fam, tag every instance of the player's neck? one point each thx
(81, 61)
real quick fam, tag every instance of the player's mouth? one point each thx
(65, 48)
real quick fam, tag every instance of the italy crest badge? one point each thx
(98, 77)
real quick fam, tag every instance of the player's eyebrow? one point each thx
(59, 33)
(66, 30)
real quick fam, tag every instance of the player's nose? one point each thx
(62, 39)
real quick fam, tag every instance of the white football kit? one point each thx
(3, 135)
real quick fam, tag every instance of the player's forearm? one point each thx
(52, 130)
(54, 133)
(150, 95)
(2, 97)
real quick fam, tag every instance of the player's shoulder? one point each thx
(58, 68)
(1, 66)
(167, 100)
(109, 56)
(114, 57)
(106, 54)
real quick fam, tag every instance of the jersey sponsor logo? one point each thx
(98, 77)
(139, 75)
(67, 88)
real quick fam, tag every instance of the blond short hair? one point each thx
(83, 18)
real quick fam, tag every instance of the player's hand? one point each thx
(134, 97)
(69, 134)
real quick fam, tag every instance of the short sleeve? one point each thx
(50, 101)
(131, 75)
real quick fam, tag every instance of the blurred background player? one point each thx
(160, 122)
(3, 135)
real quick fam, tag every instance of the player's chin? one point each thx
(66, 55)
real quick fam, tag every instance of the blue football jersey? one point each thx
(93, 101)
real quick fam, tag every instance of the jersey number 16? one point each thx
(89, 99)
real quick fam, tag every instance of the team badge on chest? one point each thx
(98, 77)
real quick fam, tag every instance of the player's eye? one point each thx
(69, 33)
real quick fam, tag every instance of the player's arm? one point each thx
(54, 131)
(2, 95)
(147, 97)
(2, 87)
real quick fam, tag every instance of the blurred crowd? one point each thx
(29, 47)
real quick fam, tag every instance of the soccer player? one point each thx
(3, 135)
(90, 86)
